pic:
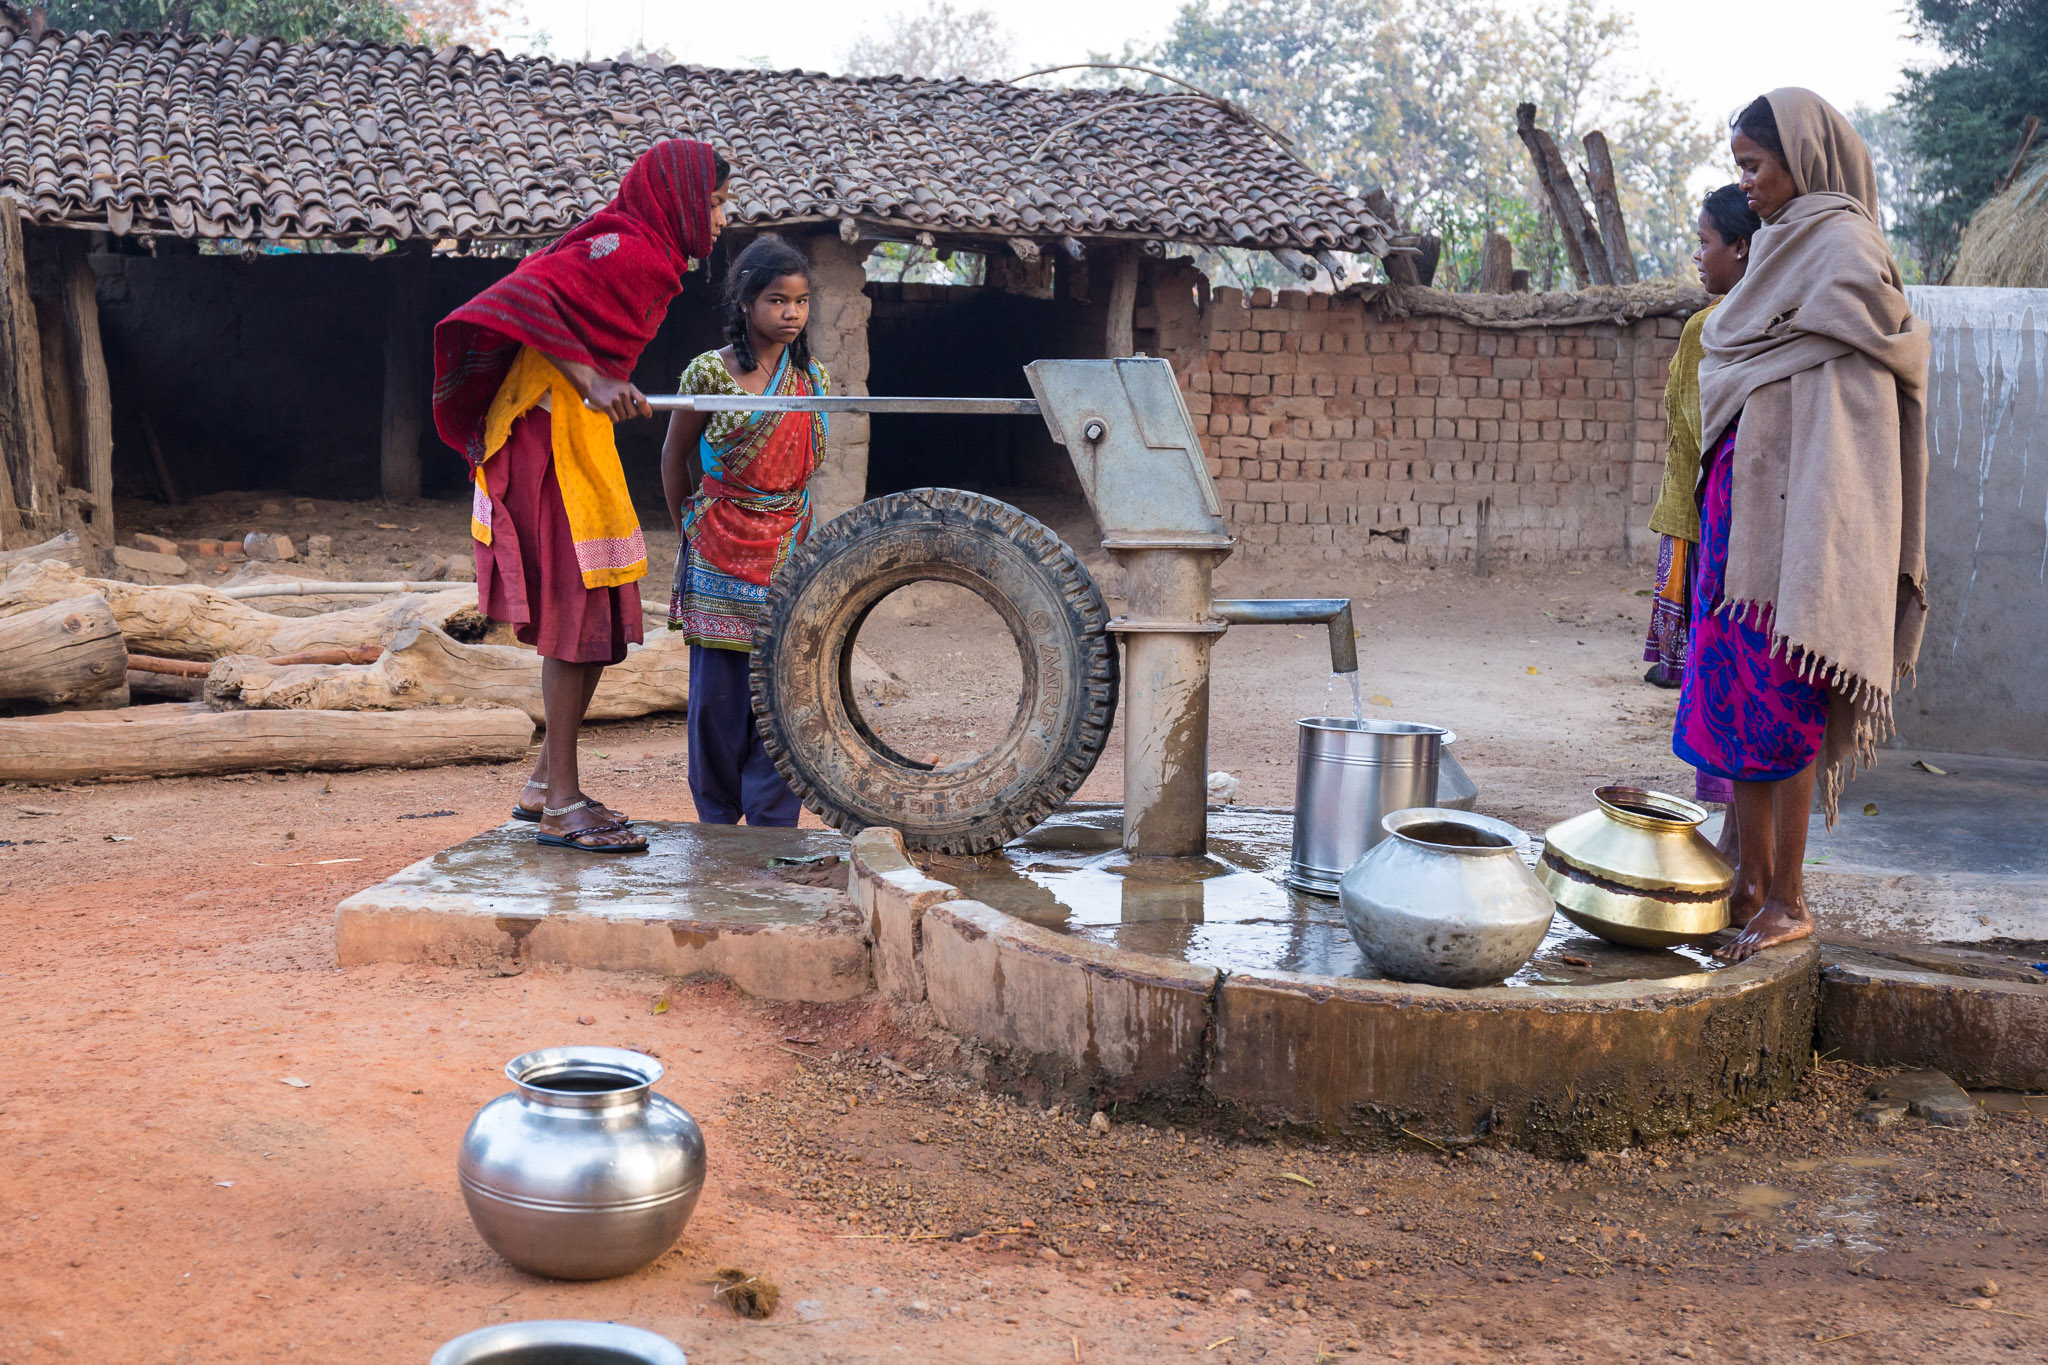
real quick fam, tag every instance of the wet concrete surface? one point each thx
(1233, 910)
(726, 874)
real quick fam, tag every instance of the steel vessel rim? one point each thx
(637, 1067)
(1399, 729)
(471, 1348)
(579, 1206)
(1393, 821)
(1683, 815)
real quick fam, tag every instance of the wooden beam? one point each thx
(95, 396)
(33, 506)
(1120, 328)
(1400, 264)
(408, 371)
(1581, 239)
(1295, 261)
(1496, 264)
(1607, 203)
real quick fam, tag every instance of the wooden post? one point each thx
(1607, 203)
(95, 398)
(1400, 265)
(1496, 264)
(1581, 238)
(408, 372)
(1119, 337)
(33, 510)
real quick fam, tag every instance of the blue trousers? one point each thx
(730, 772)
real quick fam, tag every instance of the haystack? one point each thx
(2006, 244)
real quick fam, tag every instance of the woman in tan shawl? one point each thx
(1811, 577)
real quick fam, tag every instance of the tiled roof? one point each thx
(256, 138)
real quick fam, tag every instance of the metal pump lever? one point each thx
(732, 402)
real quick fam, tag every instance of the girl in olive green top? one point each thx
(1725, 226)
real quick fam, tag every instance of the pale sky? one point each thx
(1716, 54)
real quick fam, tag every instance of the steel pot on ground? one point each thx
(560, 1342)
(583, 1172)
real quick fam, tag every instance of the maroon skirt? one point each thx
(528, 574)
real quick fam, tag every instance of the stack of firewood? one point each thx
(408, 681)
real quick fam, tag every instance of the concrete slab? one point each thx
(1076, 1015)
(1987, 1032)
(702, 899)
(1955, 858)
(892, 894)
(1562, 1069)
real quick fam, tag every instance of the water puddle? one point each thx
(1233, 910)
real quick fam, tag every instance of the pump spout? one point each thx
(1299, 611)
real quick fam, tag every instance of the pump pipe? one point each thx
(1298, 611)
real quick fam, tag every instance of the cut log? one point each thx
(422, 666)
(1607, 203)
(66, 549)
(1496, 264)
(197, 623)
(177, 741)
(1581, 239)
(168, 686)
(65, 654)
(1400, 265)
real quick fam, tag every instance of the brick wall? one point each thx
(1334, 432)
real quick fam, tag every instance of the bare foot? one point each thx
(1744, 903)
(1767, 928)
(538, 791)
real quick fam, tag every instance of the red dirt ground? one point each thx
(166, 959)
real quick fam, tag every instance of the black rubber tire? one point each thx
(803, 654)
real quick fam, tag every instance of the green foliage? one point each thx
(1418, 96)
(1965, 117)
(375, 21)
(1902, 199)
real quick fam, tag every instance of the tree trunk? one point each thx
(65, 654)
(195, 623)
(1496, 264)
(424, 667)
(1581, 240)
(173, 741)
(66, 549)
(1607, 203)
(1400, 264)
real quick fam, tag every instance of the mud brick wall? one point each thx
(1336, 433)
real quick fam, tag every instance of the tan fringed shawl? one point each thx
(1818, 354)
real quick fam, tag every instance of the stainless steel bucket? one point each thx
(1350, 774)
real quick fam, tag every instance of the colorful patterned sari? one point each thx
(1747, 712)
(752, 508)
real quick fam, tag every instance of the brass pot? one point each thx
(1637, 870)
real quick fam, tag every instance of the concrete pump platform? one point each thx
(753, 905)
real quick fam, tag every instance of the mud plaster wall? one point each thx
(1335, 433)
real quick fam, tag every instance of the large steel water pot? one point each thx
(1350, 774)
(1637, 871)
(1446, 900)
(561, 1341)
(582, 1172)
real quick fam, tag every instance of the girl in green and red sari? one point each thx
(737, 486)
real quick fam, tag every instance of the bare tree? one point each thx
(939, 43)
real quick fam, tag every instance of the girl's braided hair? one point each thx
(767, 259)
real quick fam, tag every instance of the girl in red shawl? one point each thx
(737, 485)
(528, 378)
